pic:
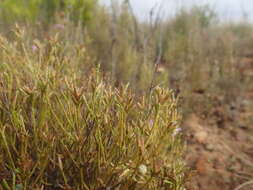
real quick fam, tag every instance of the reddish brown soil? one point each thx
(220, 146)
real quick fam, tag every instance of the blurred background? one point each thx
(227, 10)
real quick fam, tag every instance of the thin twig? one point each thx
(136, 25)
(113, 30)
(244, 184)
(154, 24)
(158, 60)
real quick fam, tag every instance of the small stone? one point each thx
(201, 165)
(201, 137)
(209, 147)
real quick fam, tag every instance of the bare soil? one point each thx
(220, 146)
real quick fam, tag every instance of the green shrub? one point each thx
(45, 10)
(62, 129)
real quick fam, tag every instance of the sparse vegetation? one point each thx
(89, 99)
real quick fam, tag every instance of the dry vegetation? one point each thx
(84, 99)
(64, 128)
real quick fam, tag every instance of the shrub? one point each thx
(45, 10)
(62, 129)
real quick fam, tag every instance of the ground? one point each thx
(220, 146)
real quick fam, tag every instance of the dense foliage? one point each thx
(62, 129)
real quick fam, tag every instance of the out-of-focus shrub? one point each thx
(45, 10)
